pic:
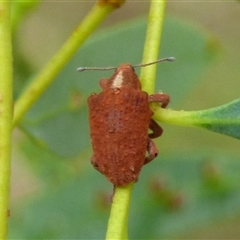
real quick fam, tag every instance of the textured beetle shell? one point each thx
(119, 122)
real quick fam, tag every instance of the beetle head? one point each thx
(126, 77)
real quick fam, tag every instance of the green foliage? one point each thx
(59, 120)
(178, 191)
(224, 119)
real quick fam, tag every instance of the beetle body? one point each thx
(120, 117)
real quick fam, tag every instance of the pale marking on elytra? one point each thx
(117, 81)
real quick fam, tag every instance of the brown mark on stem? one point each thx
(113, 3)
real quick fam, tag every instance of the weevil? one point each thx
(119, 118)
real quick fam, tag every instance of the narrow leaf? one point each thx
(224, 119)
(58, 118)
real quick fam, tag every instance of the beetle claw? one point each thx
(152, 150)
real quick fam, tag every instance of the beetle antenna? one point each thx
(81, 69)
(169, 59)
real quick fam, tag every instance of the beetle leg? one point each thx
(152, 151)
(162, 98)
(157, 130)
(94, 162)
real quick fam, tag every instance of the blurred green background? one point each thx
(191, 190)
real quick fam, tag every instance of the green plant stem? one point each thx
(5, 112)
(98, 13)
(117, 225)
(196, 118)
(182, 118)
(152, 45)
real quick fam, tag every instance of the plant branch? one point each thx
(165, 115)
(117, 223)
(98, 13)
(5, 112)
(117, 226)
(152, 45)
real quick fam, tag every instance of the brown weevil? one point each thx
(119, 118)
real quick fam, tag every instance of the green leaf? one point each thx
(59, 118)
(186, 190)
(224, 119)
(179, 191)
(52, 169)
